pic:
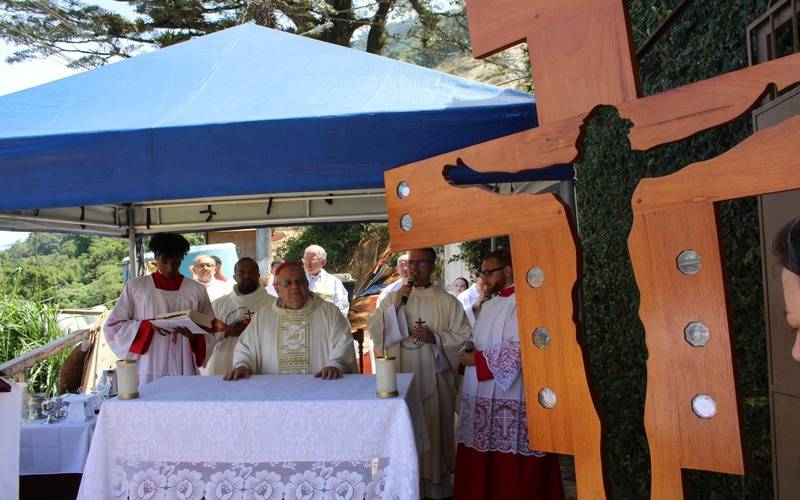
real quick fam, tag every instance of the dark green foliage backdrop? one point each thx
(710, 39)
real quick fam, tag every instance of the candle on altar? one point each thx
(127, 384)
(386, 377)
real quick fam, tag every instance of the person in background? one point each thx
(473, 298)
(323, 284)
(459, 285)
(493, 460)
(402, 271)
(237, 309)
(271, 287)
(218, 269)
(203, 272)
(130, 334)
(299, 334)
(787, 248)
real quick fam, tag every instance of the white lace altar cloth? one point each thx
(267, 437)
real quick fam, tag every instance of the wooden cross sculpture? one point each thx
(582, 58)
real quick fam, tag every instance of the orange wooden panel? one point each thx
(676, 370)
(672, 214)
(573, 425)
(540, 236)
(580, 50)
(766, 162)
(680, 113)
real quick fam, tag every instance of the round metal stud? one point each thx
(704, 406)
(696, 333)
(406, 222)
(535, 277)
(541, 338)
(403, 190)
(689, 262)
(547, 398)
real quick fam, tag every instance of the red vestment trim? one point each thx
(495, 475)
(507, 292)
(198, 345)
(171, 284)
(141, 343)
(482, 367)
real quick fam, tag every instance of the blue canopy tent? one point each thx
(245, 127)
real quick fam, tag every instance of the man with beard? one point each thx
(493, 460)
(237, 309)
(423, 327)
(299, 334)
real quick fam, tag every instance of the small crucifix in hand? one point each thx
(415, 336)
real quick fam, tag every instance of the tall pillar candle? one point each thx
(127, 385)
(386, 377)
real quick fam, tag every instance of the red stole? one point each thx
(141, 343)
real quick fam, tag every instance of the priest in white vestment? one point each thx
(299, 334)
(203, 268)
(324, 285)
(237, 309)
(424, 333)
(128, 329)
(494, 460)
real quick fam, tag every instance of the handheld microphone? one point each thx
(404, 300)
(469, 346)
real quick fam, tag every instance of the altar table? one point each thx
(292, 436)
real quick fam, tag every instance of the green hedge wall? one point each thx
(710, 39)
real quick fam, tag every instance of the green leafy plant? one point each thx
(25, 324)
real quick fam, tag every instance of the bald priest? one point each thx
(299, 334)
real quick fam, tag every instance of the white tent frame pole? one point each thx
(132, 260)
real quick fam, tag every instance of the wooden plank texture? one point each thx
(682, 112)
(580, 49)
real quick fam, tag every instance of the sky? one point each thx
(19, 76)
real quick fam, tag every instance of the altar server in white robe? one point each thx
(424, 333)
(494, 460)
(324, 285)
(237, 309)
(299, 334)
(128, 329)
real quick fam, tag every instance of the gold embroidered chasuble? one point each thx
(301, 341)
(294, 327)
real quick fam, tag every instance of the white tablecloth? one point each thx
(58, 448)
(10, 410)
(270, 437)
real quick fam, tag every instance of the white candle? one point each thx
(127, 385)
(386, 377)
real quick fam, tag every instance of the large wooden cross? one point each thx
(578, 48)
(581, 55)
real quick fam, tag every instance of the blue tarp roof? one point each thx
(246, 110)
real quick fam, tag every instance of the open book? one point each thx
(192, 320)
